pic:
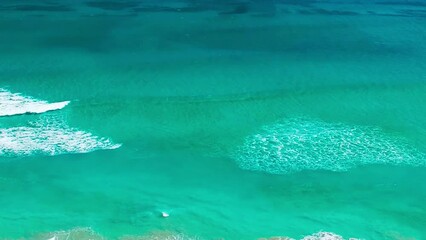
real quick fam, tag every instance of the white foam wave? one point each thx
(302, 144)
(325, 236)
(16, 104)
(50, 139)
(316, 236)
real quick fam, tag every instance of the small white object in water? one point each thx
(164, 215)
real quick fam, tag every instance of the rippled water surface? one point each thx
(212, 119)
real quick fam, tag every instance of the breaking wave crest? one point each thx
(50, 138)
(315, 236)
(16, 104)
(302, 144)
(325, 236)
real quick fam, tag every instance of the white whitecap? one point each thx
(50, 138)
(303, 144)
(326, 236)
(16, 104)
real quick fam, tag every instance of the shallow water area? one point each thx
(212, 119)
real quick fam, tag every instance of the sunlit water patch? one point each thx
(15, 104)
(50, 138)
(301, 144)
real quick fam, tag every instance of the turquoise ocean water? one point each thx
(237, 119)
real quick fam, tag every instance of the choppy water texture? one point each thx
(299, 144)
(208, 119)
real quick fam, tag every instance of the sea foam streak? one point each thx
(304, 144)
(50, 138)
(15, 104)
